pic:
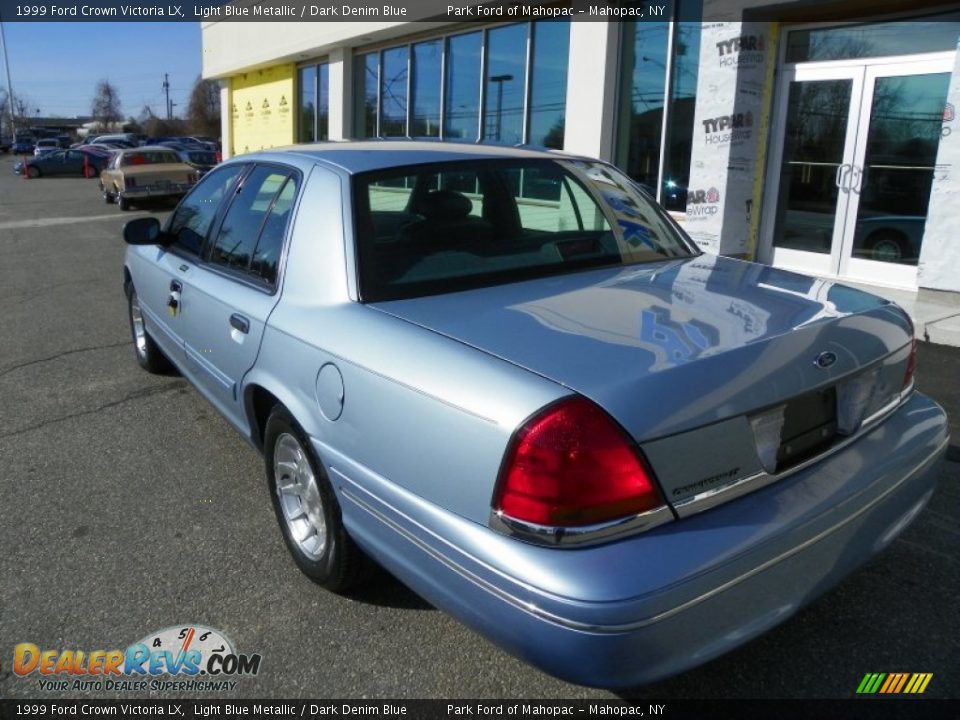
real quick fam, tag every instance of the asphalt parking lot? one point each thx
(127, 506)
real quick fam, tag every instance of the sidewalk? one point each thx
(936, 316)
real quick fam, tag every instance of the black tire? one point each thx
(888, 246)
(149, 356)
(33, 171)
(107, 197)
(336, 562)
(123, 202)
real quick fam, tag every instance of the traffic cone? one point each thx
(26, 175)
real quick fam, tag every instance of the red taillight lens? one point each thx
(572, 465)
(911, 364)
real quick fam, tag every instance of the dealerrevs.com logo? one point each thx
(182, 658)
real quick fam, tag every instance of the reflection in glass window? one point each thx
(393, 93)
(676, 163)
(905, 37)
(425, 88)
(241, 226)
(306, 131)
(323, 102)
(366, 75)
(645, 67)
(506, 80)
(463, 87)
(193, 217)
(312, 123)
(267, 255)
(548, 83)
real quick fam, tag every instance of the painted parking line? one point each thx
(47, 222)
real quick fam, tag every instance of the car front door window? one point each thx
(194, 217)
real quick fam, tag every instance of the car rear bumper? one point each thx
(645, 607)
(164, 191)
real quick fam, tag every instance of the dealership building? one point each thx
(814, 136)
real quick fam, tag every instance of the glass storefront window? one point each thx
(506, 83)
(306, 129)
(683, 96)
(462, 87)
(366, 79)
(399, 91)
(659, 75)
(425, 88)
(548, 83)
(845, 42)
(644, 89)
(393, 93)
(314, 103)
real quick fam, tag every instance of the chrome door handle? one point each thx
(841, 174)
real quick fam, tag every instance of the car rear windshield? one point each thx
(148, 157)
(440, 228)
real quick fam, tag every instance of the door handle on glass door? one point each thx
(841, 175)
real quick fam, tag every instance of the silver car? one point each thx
(509, 378)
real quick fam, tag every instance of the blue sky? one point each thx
(57, 65)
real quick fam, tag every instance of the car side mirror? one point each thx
(144, 231)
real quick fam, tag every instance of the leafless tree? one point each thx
(203, 112)
(106, 105)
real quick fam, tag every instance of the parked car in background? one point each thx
(553, 417)
(127, 140)
(45, 145)
(64, 162)
(22, 146)
(5, 144)
(64, 142)
(137, 174)
(201, 159)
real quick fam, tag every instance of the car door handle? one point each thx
(239, 322)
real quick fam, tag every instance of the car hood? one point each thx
(674, 345)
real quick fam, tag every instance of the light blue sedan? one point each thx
(508, 377)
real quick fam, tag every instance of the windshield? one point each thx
(445, 227)
(151, 157)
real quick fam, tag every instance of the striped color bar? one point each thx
(894, 683)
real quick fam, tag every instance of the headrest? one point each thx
(446, 205)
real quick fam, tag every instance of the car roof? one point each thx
(363, 156)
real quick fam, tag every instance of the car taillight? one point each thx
(572, 465)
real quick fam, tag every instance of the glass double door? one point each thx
(857, 147)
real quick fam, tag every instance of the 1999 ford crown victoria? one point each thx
(508, 377)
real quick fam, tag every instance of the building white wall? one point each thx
(591, 112)
(939, 266)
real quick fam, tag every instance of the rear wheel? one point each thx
(33, 171)
(307, 508)
(149, 356)
(89, 171)
(888, 246)
(123, 202)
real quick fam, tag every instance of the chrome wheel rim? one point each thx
(136, 323)
(299, 497)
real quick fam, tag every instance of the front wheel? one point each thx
(33, 171)
(149, 356)
(307, 508)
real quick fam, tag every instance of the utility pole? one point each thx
(166, 90)
(6, 64)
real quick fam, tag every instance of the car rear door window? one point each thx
(192, 220)
(257, 214)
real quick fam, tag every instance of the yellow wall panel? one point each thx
(262, 105)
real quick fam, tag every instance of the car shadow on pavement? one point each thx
(383, 590)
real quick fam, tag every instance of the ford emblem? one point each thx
(825, 359)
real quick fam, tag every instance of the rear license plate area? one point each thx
(809, 427)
